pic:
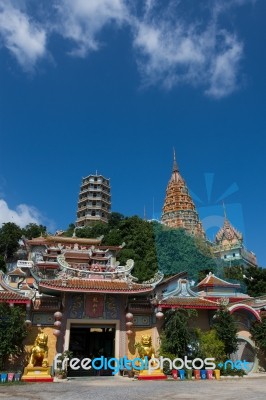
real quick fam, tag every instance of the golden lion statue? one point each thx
(39, 351)
(145, 348)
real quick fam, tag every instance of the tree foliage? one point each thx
(258, 333)
(255, 279)
(34, 230)
(10, 234)
(178, 251)
(177, 337)
(12, 332)
(225, 327)
(210, 345)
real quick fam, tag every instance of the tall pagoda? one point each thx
(179, 210)
(94, 203)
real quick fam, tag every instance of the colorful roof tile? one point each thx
(212, 280)
(93, 285)
(6, 296)
(188, 302)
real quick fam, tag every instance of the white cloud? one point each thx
(174, 44)
(224, 69)
(25, 39)
(82, 20)
(173, 51)
(22, 215)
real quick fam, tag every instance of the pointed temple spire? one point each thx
(179, 210)
(225, 216)
(175, 168)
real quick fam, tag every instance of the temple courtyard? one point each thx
(118, 388)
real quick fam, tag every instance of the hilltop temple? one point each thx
(76, 290)
(179, 211)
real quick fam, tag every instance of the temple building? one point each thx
(229, 246)
(94, 203)
(77, 292)
(179, 210)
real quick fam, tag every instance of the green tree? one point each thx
(70, 230)
(177, 337)
(210, 345)
(138, 236)
(255, 279)
(34, 230)
(2, 264)
(178, 251)
(226, 329)
(235, 272)
(258, 333)
(12, 332)
(10, 234)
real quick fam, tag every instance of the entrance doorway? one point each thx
(92, 341)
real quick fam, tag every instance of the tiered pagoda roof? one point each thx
(228, 234)
(179, 210)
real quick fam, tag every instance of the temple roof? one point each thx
(229, 233)
(62, 239)
(17, 272)
(6, 296)
(184, 297)
(188, 302)
(9, 294)
(169, 279)
(211, 281)
(94, 286)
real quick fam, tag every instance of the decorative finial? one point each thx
(175, 168)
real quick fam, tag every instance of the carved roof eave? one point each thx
(156, 280)
(168, 279)
(120, 270)
(17, 292)
(181, 290)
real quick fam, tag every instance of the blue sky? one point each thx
(113, 86)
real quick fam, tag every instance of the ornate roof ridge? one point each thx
(64, 239)
(228, 231)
